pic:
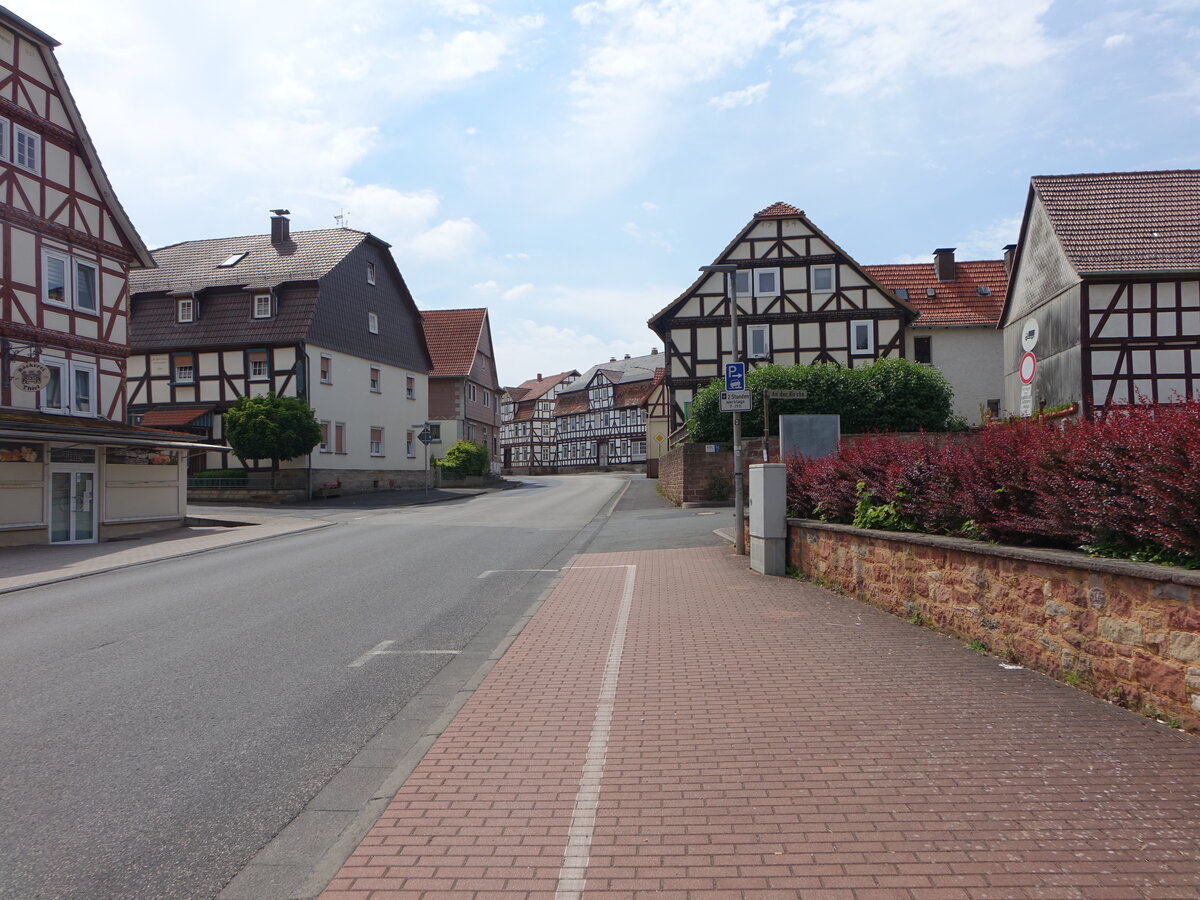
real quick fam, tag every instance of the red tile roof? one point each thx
(955, 302)
(173, 416)
(453, 337)
(1125, 221)
(536, 387)
(779, 211)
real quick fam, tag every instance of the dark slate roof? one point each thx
(453, 337)
(618, 371)
(224, 320)
(193, 265)
(1125, 221)
(956, 302)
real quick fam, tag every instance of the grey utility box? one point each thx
(768, 518)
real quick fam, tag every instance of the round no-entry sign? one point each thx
(1027, 368)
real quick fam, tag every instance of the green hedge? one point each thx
(887, 395)
(465, 458)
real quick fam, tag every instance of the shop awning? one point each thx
(173, 415)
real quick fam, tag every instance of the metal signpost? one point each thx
(778, 394)
(739, 496)
(425, 436)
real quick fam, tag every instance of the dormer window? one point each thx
(262, 306)
(185, 309)
(370, 273)
(232, 261)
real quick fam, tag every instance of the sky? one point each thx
(570, 165)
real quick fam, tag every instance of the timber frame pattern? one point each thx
(801, 299)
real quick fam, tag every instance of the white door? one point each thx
(72, 505)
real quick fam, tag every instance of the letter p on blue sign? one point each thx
(735, 376)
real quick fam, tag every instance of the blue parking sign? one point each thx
(735, 376)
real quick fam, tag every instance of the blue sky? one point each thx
(570, 165)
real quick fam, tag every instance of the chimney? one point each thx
(612, 359)
(627, 356)
(1010, 251)
(943, 264)
(280, 227)
(539, 376)
(654, 351)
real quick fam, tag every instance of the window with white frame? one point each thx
(435, 432)
(71, 389)
(183, 368)
(487, 398)
(766, 282)
(262, 306)
(821, 278)
(4, 136)
(258, 365)
(471, 390)
(758, 341)
(862, 338)
(324, 447)
(185, 309)
(376, 441)
(70, 282)
(326, 369)
(376, 383)
(373, 322)
(410, 448)
(370, 273)
(27, 149)
(339, 437)
(410, 387)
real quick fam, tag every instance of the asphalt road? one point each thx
(162, 724)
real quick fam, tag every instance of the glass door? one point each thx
(72, 506)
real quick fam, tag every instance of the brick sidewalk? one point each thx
(769, 739)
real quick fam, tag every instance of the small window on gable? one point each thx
(27, 149)
(766, 282)
(262, 306)
(862, 338)
(373, 322)
(742, 283)
(821, 278)
(233, 260)
(758, 342)
(370, 273)
(185, 309)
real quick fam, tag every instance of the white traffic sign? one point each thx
(1028, 368)
(736, 401)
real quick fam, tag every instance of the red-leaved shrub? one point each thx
(1127, 483)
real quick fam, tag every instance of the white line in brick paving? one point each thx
(572, 875)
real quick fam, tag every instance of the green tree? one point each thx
(465, 458)
(887, 395)
(271, 427)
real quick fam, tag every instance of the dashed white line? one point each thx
(488, 572)
(383, 648)
(572, 875)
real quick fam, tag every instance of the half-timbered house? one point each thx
(800, 299)
(1104, 304)
(959, 305)
(600, 419)
(464, 390)
(71, 469)
(321, 315)
(528, 439)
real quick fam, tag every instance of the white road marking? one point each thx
(488, 572)
(377, 650)
(572, 875)
(383, 648)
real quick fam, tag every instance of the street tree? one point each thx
(271, 427)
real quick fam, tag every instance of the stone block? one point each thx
(1121, 631)
(1184, 618)
(1192, 679)
(1185, 646)
(1172, 592)
(1054, 608)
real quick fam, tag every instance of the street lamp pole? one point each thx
(739, 493)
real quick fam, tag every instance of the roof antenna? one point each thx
(342, 219)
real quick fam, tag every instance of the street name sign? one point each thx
(736, 401)
(777, 394)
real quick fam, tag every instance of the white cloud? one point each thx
(406, 219)
(485, 287)
(526, 347)
(648, 206)
(654, 238)
(1116, 40)
(453, 239)
(516, 292)
(854, 46)
(756, 93)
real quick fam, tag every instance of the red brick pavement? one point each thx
(770, 739)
